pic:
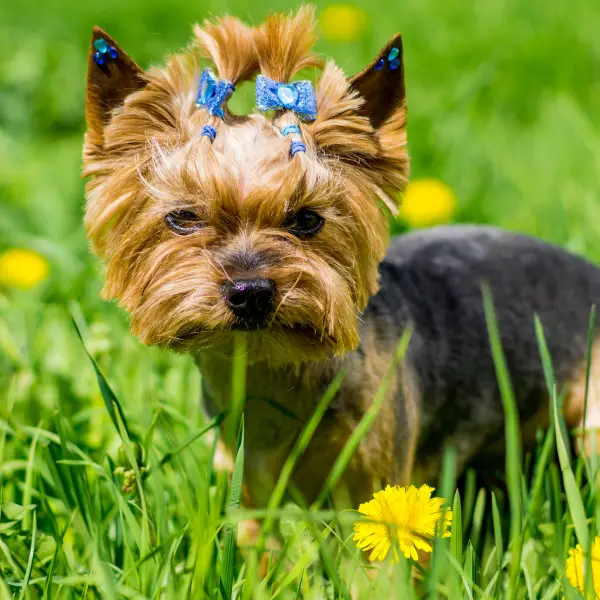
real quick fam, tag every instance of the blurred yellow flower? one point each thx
(343, 22)
(428, 202)
(576, 564)
(404, 517)
(22, 268)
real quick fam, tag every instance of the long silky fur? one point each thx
(243, 185)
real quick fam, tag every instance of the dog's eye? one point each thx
(183, 222)
(305, 223)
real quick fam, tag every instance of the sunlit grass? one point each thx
(73, 526)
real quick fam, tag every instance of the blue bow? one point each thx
(212, 92)
(298, 96)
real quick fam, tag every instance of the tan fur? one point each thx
(575, 404)
(153, 160)
(385, 455)
(284, 44)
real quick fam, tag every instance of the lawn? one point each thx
(503, 98)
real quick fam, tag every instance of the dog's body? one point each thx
(445, 391)
(215, 226)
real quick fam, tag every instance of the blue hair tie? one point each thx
(291, 129)
(210, 132)
(298, 96)
(297, 147)
(213, 93)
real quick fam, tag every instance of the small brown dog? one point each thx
(274, 226)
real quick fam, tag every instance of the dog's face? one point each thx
(203, 237)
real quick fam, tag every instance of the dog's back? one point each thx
(434, 280)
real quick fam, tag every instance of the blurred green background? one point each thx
(503, 101)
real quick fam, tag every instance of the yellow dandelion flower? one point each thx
(343, 22)
(22, 268)
(576, 564)
(428, 202)
(404, 517)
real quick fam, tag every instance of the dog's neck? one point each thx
(278, 403)
(291, 389)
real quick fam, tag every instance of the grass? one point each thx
(503, 98)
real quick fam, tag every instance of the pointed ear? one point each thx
(381, 84)
(112, 76)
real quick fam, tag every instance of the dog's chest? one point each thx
(278, 402)
(278, 405)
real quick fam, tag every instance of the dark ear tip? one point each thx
(99, 33)
(395, 41)
(381, 83)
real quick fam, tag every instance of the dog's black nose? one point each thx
(251, 300)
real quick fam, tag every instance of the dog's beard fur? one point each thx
(152, 160)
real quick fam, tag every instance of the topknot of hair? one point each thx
(229, 43)
(284, 44)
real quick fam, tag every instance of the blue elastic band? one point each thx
(213, 92)
(210, 132)
(298, 96)
(291, 129)
(297, 147)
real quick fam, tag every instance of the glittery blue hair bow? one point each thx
(212, 92)
(298, 96)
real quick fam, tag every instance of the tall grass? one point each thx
(154, 520)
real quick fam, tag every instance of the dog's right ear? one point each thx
(112, 76)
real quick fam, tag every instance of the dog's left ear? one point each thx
(112, 76)
(381, 84)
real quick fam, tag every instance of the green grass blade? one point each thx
(446, 488)
(478, 515)
(469, 564)
(574, 499)
(238, 387)
(300, 586)
(27, 575)
(456, 538)
(536, 496)
(5, 593)
(572, 488)
(110, 399)
(28, 489)
(235, 495)
(513, 442)
(499, 542)
(468, 500)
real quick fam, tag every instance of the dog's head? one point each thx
(273, 224)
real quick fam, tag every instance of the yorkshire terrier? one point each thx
(274, 226)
